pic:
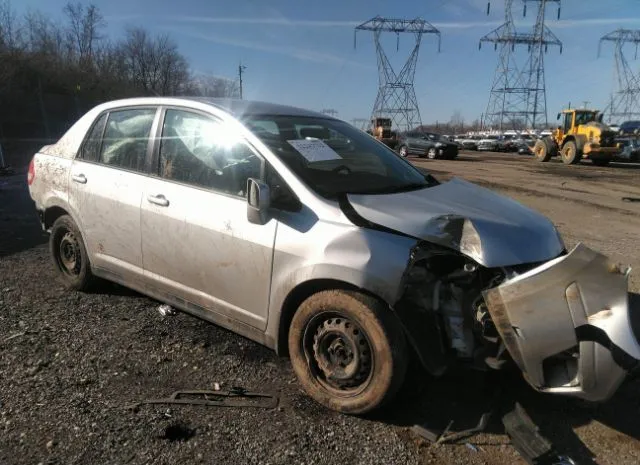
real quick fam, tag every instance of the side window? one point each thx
(91, 146)
(198, 150)
(126, 138)
(567, 122)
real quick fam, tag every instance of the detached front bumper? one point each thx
(566, 324)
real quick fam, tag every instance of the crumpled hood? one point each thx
(491, 229)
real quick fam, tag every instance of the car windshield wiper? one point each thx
(396, 189)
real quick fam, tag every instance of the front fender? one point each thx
(371, 260)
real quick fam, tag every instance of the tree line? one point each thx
(51, 73)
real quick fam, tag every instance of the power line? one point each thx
(518, 94)
(396, 97)
(624, 103)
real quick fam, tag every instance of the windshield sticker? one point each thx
(314, 150)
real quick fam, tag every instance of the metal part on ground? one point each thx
(167, 310)
(530, 444)
(235, 397)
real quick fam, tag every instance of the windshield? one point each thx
(333, 157)
(584, 117)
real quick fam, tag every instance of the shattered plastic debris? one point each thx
(166, 310)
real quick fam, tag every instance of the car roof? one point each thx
(234, 107)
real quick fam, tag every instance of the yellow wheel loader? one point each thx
(581, 135)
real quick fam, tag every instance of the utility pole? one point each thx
(241, 69)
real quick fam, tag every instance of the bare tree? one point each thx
(42, 37)
(83, 30)
(9, 28)
(457, 120)
(154, 64)
(207, 85)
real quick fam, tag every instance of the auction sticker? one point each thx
(314, 150)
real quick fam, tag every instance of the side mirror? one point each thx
(558, 117)
(258, 201)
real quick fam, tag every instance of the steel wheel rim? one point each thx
(568, 152)
(69, 257)
(339, 354)
(431, 153)
(403, 151)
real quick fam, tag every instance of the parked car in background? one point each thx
(629, 127)
(426, 144)
(630, 149)
(470, 143)
(525, 147)
(508, 143)
(488, 143)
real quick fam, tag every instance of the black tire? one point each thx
(335, 327)
(570, 153)
(69, 255)
(403, 151)
(432, 153)
(601, 161)
(542, 150)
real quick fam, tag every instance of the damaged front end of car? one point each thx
(564, 322)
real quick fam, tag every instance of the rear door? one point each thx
(197, 243)
(107, 179)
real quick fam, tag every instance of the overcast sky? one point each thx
(301, 52)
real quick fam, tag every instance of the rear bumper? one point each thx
(566, 325)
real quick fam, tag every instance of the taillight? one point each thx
(31, 175)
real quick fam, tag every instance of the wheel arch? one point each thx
(579, 140)
(51, 214)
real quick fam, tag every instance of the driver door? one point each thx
(197, 245)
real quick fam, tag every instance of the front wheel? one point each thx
(348, 351)
(69, 254)
(570, 153)
(432, 153)
(403, 151)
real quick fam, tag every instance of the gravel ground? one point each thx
(72, 363)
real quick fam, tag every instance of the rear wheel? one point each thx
(542, 150)
(570, 153)
(403, 151)
(70, 254)
(348, 351)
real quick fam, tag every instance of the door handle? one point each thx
(158, 200)
(80, 178)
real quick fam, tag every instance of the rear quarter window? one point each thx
(91, 148)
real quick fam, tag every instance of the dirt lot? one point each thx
(70, 363)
